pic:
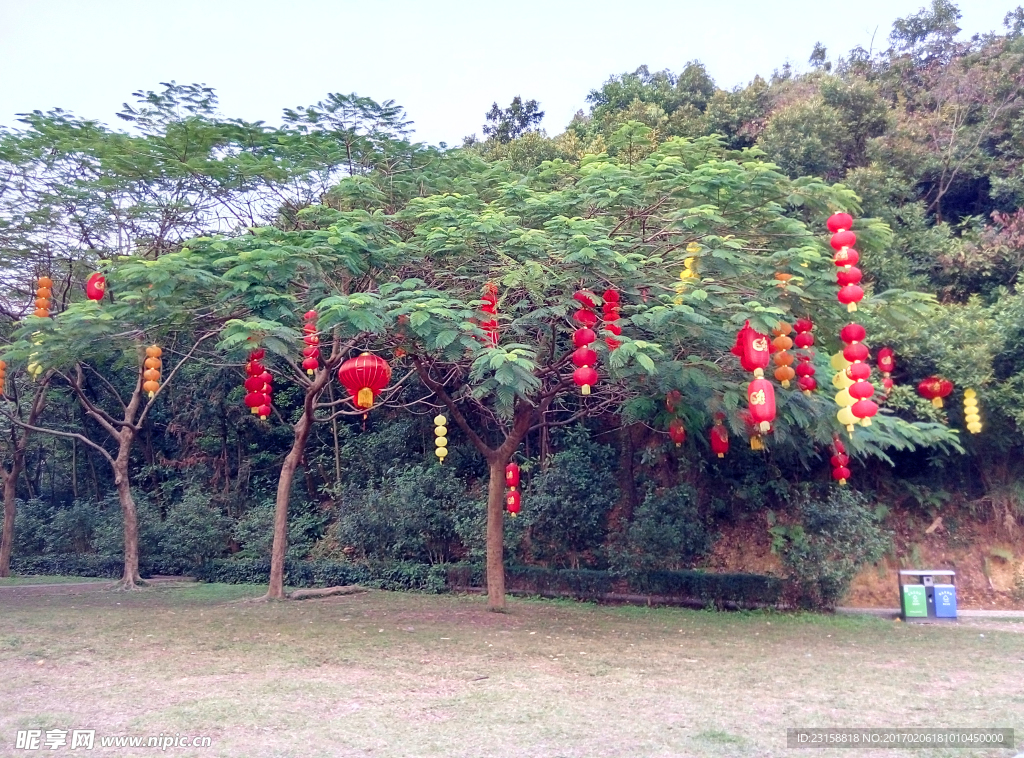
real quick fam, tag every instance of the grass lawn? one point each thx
(18, 581)
(404, 674)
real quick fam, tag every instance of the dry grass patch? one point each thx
(404, 674)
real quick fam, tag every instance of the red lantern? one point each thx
(365, 377)
(719, 439)
(311, 352)
(258, 386)
(95, 286)
(752, 348)
(935, 388)
(585, 377)
(513, 502)
(846, 258)
(585, 317)
(840, 461)
(858, 371)
(886, 364)
(843, 239)
(490, 307)
(610, 313)
(761, 399)
(583, 337)
(512, 475)
(677, 431)
(584, 356)
(846, 276)
(850, 295)
(586, 298)
(839, 222)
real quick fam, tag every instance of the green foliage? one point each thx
(834, 536)
(668, 531)
(568, 502)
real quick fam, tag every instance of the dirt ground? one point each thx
(406, 674)
(988, 560)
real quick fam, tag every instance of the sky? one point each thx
(445, 61)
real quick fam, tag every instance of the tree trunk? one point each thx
(131, 577)
(284, 488)
(7, 540)
(495, 535)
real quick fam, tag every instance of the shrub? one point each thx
(667, 532)
(835, 536)
(567, 504)
(193, 532)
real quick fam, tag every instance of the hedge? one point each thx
(685, 587)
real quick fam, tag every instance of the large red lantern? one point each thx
(935, 388)
(719, 439)
(513, 502)
(761, 400)
(839, 222)
(95, 286)
(512, 475)
(752, 348)
(365, 377)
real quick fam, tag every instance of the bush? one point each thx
(388, 576)
(69, 565)
(835, 536)
(412, 516)
(667, 532)
(567, 504)
(193, 532)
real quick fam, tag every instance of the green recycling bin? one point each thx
(915, 601)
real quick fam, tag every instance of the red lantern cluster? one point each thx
(95, 286)
(365, 377)
(935, 388)
(490, 307)
(610, 312)
(859, 372)
(886, 364)
(848, 276)
(840, 461)
(719, 438)
(513, 499)
(259, 385)
(311, 352)
(753, 351)
(805, 368)
(585, 357)
(782, 358)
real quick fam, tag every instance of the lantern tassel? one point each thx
(365, 398)
(585, 389)
(937, 402)
(851, 307)
(721, 455)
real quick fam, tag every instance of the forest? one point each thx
(239, 259)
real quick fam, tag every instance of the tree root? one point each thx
(128, 585)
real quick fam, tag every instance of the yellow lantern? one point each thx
(971, 416)
(440, 438)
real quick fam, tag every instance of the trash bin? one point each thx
(945, 601)
(915, 601)
(923, 598)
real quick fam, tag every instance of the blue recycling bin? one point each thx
(945, 601)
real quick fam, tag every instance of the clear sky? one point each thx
(446, 61)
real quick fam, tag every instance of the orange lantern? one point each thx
(44, 289)
(782, 358)
(3, 376)
(365, 377)
(151, 372)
